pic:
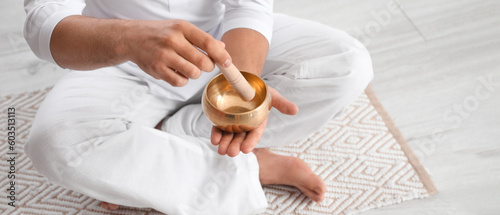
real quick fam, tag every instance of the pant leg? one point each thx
(94, 134)
(319, 68)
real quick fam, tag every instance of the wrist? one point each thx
(250, 55)
(126, 39)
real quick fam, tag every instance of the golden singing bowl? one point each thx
(228, 112)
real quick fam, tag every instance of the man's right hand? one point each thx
(166, 50)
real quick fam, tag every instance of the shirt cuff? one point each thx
(46, 32)
(247, 22)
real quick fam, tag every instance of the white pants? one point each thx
(94, 133)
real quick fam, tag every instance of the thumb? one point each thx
(282, 104)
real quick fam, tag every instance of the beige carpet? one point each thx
(361, 155)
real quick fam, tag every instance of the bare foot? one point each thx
(287, 170)
(109, 206)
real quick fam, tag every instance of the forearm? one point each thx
(248, 49)
(84, 43)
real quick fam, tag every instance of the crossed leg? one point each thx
(321, 74)
(282, 170)
(278, 169)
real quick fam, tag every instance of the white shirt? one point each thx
(213, 16)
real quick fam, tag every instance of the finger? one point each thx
(252, 138)
(282, 104)
(208, 44)
(216, 136)
(173, 78)
(150, 71)
(113, 206)
(224, 142)
(105, 205)
(251, 141)
(195, 56)
(184, 67)
(234, 147)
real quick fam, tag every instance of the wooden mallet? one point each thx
(238, 82)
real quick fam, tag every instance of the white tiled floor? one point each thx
(431, 60)
(429, 63)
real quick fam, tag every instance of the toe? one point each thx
(113, 207)
(105, 205)
(311, 194)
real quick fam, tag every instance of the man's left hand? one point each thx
(232, 143)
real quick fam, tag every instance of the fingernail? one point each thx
(227, 63)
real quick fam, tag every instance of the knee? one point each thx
(353, 63)
(341, 61)
(42, 150)
(57, 148)
(352, 67)
(346, 69)
(359, 66)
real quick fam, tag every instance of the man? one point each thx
(130, 130)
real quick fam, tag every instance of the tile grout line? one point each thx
(411, 21)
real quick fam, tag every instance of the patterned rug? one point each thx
(361, 155)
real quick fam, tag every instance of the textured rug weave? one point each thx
(361, 155)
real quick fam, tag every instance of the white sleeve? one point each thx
(42, 17)
(253, 14)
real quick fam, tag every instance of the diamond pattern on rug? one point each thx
(361, 161)
(358, 155)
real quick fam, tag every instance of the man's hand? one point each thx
(166, 50)
(232, 143)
